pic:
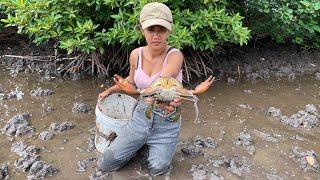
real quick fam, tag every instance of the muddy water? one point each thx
(220, 118)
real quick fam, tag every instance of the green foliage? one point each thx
(91, 25)
(294, 20)
(1, 12)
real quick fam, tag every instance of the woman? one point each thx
(147, 64)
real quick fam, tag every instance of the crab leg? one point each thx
(195, 103)
(193, 98)
(185, 98)
(174, 111)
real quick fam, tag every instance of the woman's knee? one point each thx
(159, 167)
(108, 162)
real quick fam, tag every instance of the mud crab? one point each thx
(163, 90)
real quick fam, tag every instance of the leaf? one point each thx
(317, 6)
(305, 3)
(317, 28)
(91, 24)
(21, 2)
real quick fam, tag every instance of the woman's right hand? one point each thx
(102, 96)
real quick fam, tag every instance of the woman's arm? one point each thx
(175, 61)
(174, 65)
(127, 85)
(130, 78)
(172, 69)
(133, 58)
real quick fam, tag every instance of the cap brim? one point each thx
(152, 22)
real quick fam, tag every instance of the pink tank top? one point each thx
(142, 80)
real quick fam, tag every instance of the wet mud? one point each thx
(260, 121)
(231, 140)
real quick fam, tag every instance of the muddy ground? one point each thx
(238, 136)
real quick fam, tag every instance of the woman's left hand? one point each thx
(204, 86)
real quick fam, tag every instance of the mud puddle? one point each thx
(235, 138)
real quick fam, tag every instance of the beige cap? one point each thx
(156, 14)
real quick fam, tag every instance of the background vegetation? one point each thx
(101, 33)
(285, 21)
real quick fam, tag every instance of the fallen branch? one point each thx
(41, 58)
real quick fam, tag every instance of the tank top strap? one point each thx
(139, 58)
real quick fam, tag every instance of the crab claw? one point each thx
(204, 86)
(125, 85)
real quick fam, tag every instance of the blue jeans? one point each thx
(161, 136)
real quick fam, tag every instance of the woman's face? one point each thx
(156, 36)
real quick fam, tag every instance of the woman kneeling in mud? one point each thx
(147, 64)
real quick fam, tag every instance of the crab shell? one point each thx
(167, 89)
